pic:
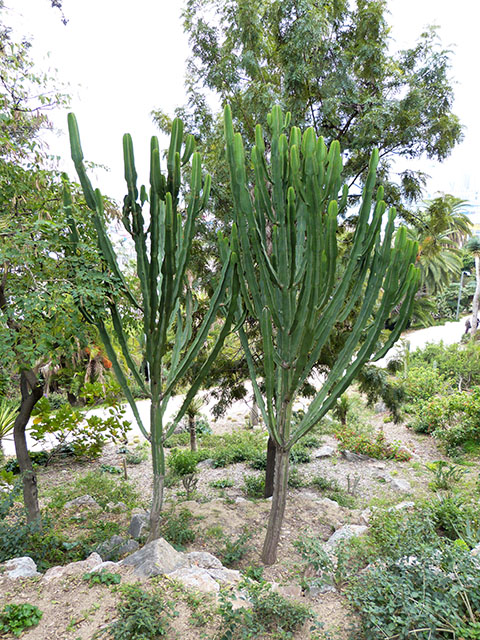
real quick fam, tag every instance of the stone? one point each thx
(239, 500)
(366, 515)
(317, 590)
(476, 550)
(203, 559)
(116, 546)
(401, 485)
(291, 591)
(325, 452)
(332, 512)
(155, 558)
(139, 525)
(195, 578)
(354, 457)
(402, 505)
(73, 568)
(22, 567)
(118, 507)
(111, 567)
(346, 532)
(225, 576)
(82, 501)
(206, 464)
(382, 475)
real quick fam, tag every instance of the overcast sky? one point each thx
(122, 59)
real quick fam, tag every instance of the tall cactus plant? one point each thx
(296, 286)
(163, 244)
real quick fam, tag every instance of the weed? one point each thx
(108, 468)
(222, 483)
(235, 549)
(445, 474)
(254, 486)
(176, 529)
(101, 577)
(15, 618)
(141, 616)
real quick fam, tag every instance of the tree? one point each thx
(165, 305)
(328, 63)
(473, 246)
(295, 286)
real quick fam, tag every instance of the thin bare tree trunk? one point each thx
(476, 296)
(193, 433)
(270, 468)
(31, 391)
(158, 464)
(270, 546)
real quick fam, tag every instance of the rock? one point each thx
(118, 507)
(402, 505)
(206, 464)
(380, 407)
(366, 515)
(74, 568)
(379, 465)
(111, 567)
(225, 576)
(476, 550)
(318, 590)
(116, 546)
(291, 591)
(139, 525)
(325, 452)
(401, 485)
(354, 457)
(195, 578)
(239, 500)
(203, 559)
(346, 532)
(382, 475)
(22, 567)
(155, 558)
(82, 501)
(332, 513)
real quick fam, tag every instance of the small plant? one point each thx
(15, 618)
(141, 616)
(222, 483)
(108, 468)
(295, 480)
(184, 465)
(446, 474)
(271, 615)
(101, 577)
(254, 486)
(137, 456)
(235, 549)
(176, 528)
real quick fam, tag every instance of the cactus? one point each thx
(162, 245)
(297, 288)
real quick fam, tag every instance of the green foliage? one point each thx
(222, 483)
(15, 618)
(137, 456)
(373, 445)
(234, 549)
(254, 486)
(270, 613)
(7, 418)
(103, 487)
(176, 528)
(108, 468)
(336, 568)
(446, 475)
(240, 446)
(458, 363)
(183, 463)
(101, 577)
(141, 616)
(332, 490)
(39, 458)
(86, 435)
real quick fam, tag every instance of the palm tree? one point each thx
(473, 245)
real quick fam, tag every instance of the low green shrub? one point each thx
(375, 446)
(233, 550)
(140, 616)
(15, 618)
(222, 483)
(103, 487)
(240, 446)
(254, 486)
(101, 577)
(176, 528)
(445, 475)
(270, 613)
(331, 490)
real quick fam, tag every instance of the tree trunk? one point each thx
(476, 296)
(270, 468)
(158, 464)
(31, 391)
(254, 413)
(193, 433)
(275, 520)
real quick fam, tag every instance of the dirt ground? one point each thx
(73, 610)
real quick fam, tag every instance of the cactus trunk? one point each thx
(277, 511)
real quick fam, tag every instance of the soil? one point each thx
(72, 610)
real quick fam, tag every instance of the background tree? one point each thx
(328, 63)
(287, 237)
(473, 246)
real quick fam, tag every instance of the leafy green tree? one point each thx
(38, 321)
(329, 64)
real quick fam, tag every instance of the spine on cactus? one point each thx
(294, 282)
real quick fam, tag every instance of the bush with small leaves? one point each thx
(101, 577)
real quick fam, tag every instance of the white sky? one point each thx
(122, 59)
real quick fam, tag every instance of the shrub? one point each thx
(15, 618)
(176, 528)
(254, 486)
(141, 616)
(375, 446)
(241, 446)
(222, 483)
(331, 489)
(270, 613)
(103, 487)
(234, 549)
(101, 577)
